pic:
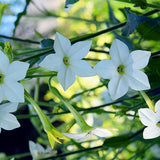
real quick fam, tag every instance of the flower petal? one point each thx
(79, 137)
(157, 106)
(79, 50)
(106, 69)
(151, 132)
(140, 58)
(138, 80)
(65, 76)
(4, 62)
(119, 52)
(101, 132)
(8, 121)
(17, 70)
(147, 116)
(35, 149)
(82, 68)
(8, 107)
(118, 86)
(1, 93)
(13, 91)
(61, 45)
(51, 62)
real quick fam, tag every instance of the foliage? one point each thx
(100, 21)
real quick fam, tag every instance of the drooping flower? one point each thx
(87, 130)
(67, 60)
(10, 73)
(100, 132)
(7, 120)
(123, 69)
(151, 120)
(54, 135)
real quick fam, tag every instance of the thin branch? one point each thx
(75, 152)
(18, 39)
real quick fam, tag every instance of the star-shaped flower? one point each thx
(10, 73)
(8, 121)
(123, 69)
(38, 151)
(100, 132)
(67, 60)
(151, 120)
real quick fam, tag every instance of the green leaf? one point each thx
(150, 29)
(133, 21)
(118, 141)
(70, 2)
(47, 43)
(142, 3)
(38, 34)
(2, 9)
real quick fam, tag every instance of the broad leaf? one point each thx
(117, 141)
(70, 2)
(47, 43)
(133, 21)
(150, 29)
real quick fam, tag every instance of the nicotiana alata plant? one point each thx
(120, 65)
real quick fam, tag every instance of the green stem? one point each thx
(148, 100)
(79, 119)
(18, 39)
(37, 55)
(87, 90)
(36, 93)
(92, 35)
(52, 133)
(40, 113)
(153, 5)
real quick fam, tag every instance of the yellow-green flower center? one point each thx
(120, 69)
(158, 124)
(1, 78)
(66, 60)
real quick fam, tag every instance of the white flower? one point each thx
(36, 150)
(68, 60)
(101, 132)
(10, 73)
(123, 69)
(8, 121)
(151, 120)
